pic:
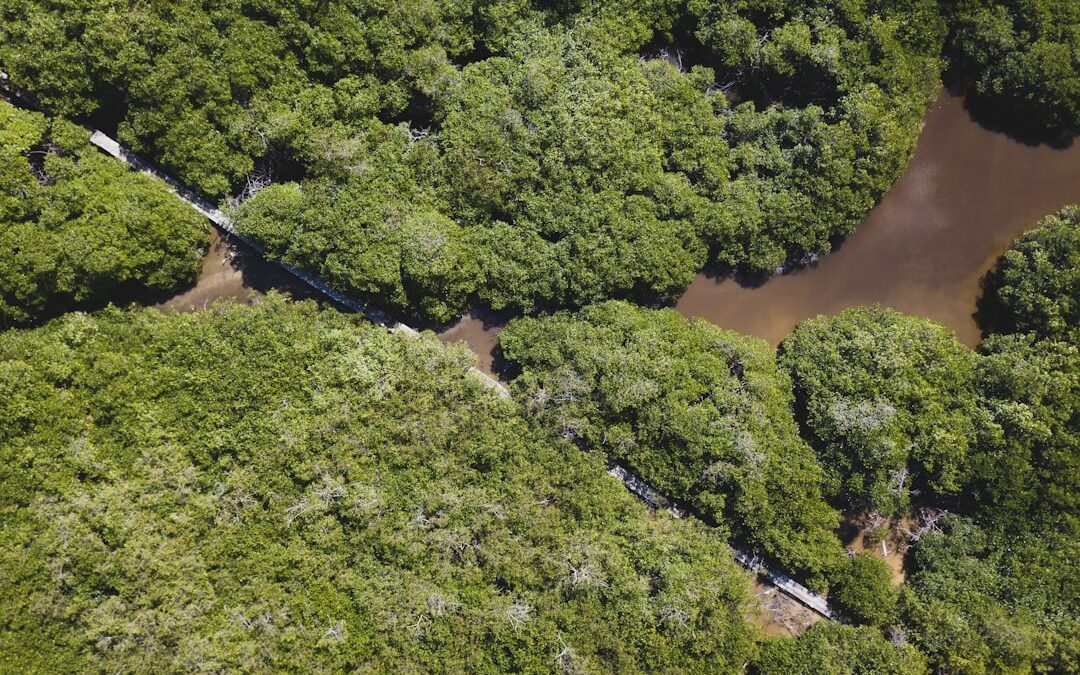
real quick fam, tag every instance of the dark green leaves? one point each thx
(702, 414)
(1036, 286)
(78, 227)
(1023, 60)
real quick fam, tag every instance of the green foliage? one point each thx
(1036, 286)
(700, 413)
(388, 237)
(861, 590)
(205, 87)
(556, 153)
(887, 401)
(1021, 58)
(279, 488)
(1027, 468)
(828, 648)
(989, 601)
(559, 161)
(77, 227)
(997, 591)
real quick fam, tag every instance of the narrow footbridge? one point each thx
(376, 315)
(639, 487)
(754, 563)
(225, 224)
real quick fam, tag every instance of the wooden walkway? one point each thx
(632, 482)
(754, 563)
(222, 221)
(639, 487)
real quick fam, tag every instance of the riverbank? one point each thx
(231, 271)
(924, 249)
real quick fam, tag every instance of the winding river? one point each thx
(924, 249)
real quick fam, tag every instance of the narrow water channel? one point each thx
(924, 249)
(231, 272)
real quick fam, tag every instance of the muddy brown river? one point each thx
(231, 272)
(924, 249)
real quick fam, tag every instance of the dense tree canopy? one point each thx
(559, 151)
(208, 88)
(284, 488)
(1027, 469)
(1022, 59)
(997, 590)
(862, 591)
(509, 152)
(988, 600)
(279, 488)
(390, 238)
(994, 588)
(828, 648)
(77, 226)
(887, 401)
(1036, 285)
(702, 414)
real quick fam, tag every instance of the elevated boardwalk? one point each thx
(634, 483)
(754, 563)
(223, 222)
(220, 219)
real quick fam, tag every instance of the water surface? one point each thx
(230, 271)
(924, 249)
(967, 193)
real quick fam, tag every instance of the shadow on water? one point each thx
(479, 330)
(926, 247)
(998, 119)
(751, 279)
(232, 271)
(990, 314)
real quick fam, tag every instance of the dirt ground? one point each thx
(891, 549)
(779, 614)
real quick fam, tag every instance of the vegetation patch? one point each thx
(273, 487)
(510, 153)
(79, 228)
(702, 414)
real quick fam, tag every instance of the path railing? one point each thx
(754, 563)
(224, 223)
(632, 482)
